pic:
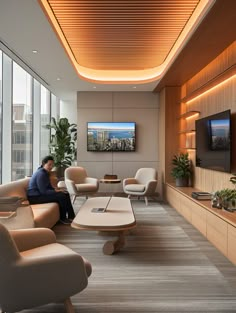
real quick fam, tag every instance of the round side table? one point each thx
(110, 181)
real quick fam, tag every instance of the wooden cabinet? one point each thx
(186, 208)
(199, 219)
(217, 226)
(173, 198)
(232, 243)
(217, 232)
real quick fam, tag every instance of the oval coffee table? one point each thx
(113, 214)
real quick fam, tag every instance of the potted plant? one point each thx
(182, 169)
(62, 144)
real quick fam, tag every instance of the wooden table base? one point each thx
(110, 247)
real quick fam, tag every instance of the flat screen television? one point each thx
(213, 144)
(111, 136)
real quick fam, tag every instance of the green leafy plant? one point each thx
(62, 142)
(226, 198)
(233, 179)
(182, 166)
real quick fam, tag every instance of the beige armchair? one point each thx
(143, 184)
(35, 270)
(78, 183)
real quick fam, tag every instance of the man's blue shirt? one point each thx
(39, 184)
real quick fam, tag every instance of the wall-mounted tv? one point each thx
(111, 136)
(213, 144)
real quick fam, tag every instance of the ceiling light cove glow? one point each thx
(211, 89)
(123, 46)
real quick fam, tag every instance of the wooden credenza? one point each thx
(218, 226)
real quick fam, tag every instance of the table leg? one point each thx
(110, 247)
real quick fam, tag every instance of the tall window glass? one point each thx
(55, 103)
(44, 119)
(0, 116)
(21, 123)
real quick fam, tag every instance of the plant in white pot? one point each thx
(182, 169)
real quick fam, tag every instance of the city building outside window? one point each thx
(21, 123)
(44, 119)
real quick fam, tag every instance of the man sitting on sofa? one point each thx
(40, 190)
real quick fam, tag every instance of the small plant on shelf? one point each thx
(233, 180)
(182, 169)
(226, 198)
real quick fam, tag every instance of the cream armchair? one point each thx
(35, 270)
(143, 184)
(78, 183)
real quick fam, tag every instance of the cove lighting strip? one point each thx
(211, 89)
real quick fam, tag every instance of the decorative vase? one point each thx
(182, 182)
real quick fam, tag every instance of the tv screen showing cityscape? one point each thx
(220, 134)
(111, 136)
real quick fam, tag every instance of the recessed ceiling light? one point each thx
(58, 78)
(35, 51)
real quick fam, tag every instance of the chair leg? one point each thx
(128, 196)
(68, 306)
(73, 199)
(146, 201)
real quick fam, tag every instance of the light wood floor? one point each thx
(166, 266)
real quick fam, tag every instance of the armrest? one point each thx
(30, 238)
(47, 271)
(151, 186)
(128, 181)
(10, 203)
(70, 185)
(91, 180)
(7, 215)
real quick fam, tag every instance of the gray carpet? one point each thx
(166, 266)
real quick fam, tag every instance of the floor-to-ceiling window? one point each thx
(55, 104)
(25, 106)
(44, 119)
(0, 116)
(21, 123)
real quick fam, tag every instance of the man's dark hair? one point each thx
(46, 159)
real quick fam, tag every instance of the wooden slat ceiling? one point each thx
(121, 34)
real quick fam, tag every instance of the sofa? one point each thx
(27, 216)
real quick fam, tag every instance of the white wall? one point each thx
(68, 109)
(139, 107)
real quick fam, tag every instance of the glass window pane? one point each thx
(22, 123)
(0, 116)
(45, 119)
(55, 106)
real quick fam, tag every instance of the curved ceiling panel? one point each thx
(123, 40)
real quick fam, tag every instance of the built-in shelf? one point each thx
(192, 131)
(189, 114)
(187, 148)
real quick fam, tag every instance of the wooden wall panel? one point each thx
(217, 100)
(224, 61)
(170, 107)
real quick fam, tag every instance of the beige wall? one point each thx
(139, 107)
